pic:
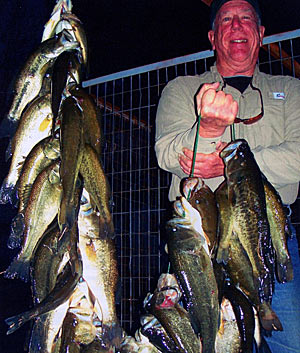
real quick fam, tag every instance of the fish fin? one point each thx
(284, 271)
(268, 318)
(7, 128)
(17, 229)
(18, 269)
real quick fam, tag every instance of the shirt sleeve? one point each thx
(176, 124)
(281, 163)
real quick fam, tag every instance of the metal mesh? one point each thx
(128, 102)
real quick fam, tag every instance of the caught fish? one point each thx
(236, 332)
(91, 124)
(29, 81)
(60, 7)
(96, 184)
(63, 289)
(189, 256)
(34, 126)
(245, 242)
(100, 272)
(138, 344)
(42, 207)
(174, 319)
(40, 157)
(279, 232)
(72, 145)
(203, 200)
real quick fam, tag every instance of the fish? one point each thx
(175, 320)
(35, 125)
(156, 334)
(138, 344)
(60, 7)
(245, 245)
(239, 317)
(189, 256)
(64, 287)
(30, 78)
(68, 342)
(100, 272)
(45, 332)
(201, 197)
(97, 347)
(41, 210)
(96, 184)
(79, 33)
(40, 157)
(71, 151)
(279, 232)
(91, 122)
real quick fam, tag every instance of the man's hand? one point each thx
(206, 165)
(218, 110)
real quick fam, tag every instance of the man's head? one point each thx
(217, 4)
(236, 36)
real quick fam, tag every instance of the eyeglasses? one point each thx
(256, 118)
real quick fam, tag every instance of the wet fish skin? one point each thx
(96, 184)
(42, 207)
(29, 81)
(91, 123)
(63, 289)
(176, 321)
(279, 232)
(34, 126)
(40, 157)
(203, 200)
(72, 145)
(100, 273)
(244, 316)
(247, 234)
(194, 272)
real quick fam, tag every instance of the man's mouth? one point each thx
(238, 41)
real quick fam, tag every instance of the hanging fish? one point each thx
(29, 81)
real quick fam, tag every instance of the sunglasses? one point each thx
(256, 118)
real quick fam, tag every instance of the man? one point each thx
(265, 111)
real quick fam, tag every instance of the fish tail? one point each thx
(222, 255)
(7, 193)
(268, 318)
(284, 271)
(18, 269)
(17, 229)
(15, 322)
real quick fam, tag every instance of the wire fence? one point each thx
(128, 101)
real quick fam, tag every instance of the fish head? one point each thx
(237, 156)
(190, 186)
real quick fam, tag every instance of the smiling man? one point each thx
(265, 111)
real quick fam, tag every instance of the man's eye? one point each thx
(226, 19)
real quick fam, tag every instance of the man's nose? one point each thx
(236, 22)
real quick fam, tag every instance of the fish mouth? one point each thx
(230, 151)
(191, 185)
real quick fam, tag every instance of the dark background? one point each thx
(121, 35)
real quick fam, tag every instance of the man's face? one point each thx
(236, 36)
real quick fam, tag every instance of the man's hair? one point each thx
(217, 4)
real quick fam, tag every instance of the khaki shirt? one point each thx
(274, 139)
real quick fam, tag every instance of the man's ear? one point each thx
(211, 37)
(261, 34)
